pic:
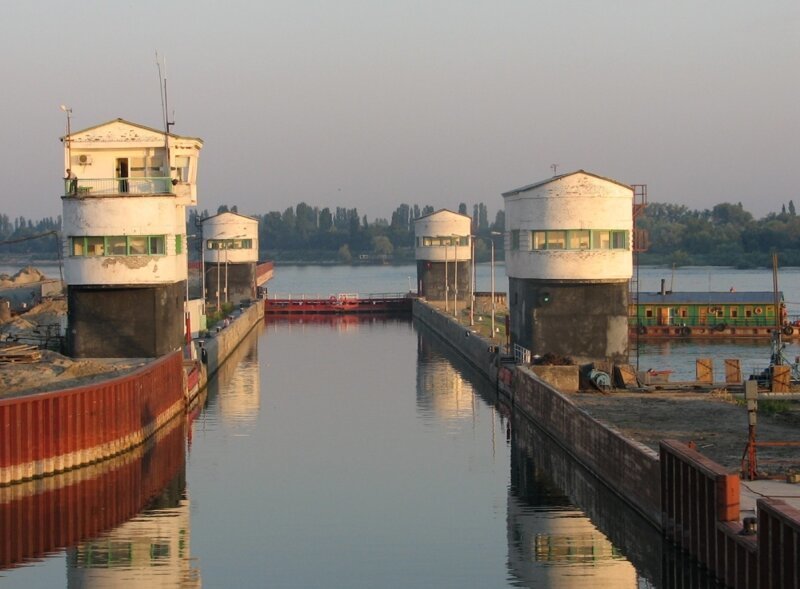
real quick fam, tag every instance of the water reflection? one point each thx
(150, 550)
(76, 509)
(240, 398)
(442, 392)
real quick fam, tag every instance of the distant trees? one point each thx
(726, 234)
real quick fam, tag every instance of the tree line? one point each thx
(306, 233)
(725, 235)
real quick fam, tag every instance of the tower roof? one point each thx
(560, 177)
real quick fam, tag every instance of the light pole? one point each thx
(219, 306)
(472, 283)
(491, 239)
(455, 280)
(446, 284)
(227, 243)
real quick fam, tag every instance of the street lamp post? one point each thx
(446, 284)
(472, 283)
(491, 239)
(219, 306)
(227, 244)
(455, 281)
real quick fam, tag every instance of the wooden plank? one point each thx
(733, 371)
(705, 370)
(781, 378)
(625, 375)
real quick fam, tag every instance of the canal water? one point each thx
(341, 452)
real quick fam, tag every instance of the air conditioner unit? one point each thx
(84, 159)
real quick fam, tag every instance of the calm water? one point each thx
(341, 453)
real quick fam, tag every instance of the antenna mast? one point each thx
(162, 91)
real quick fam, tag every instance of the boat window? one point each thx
(734, 312)
(539, 240)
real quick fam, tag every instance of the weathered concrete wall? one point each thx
(627, 467)
(125, 322)
(224, 342)
(478, 350)
(431, 279)
(564, 378)
(241, 282)
(586, 321)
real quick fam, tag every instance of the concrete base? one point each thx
(586, 321)
(431, 280)
(125, 321)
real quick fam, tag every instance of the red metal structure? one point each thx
(52, 432)
(340, 303)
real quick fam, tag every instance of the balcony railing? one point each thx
(84, 187)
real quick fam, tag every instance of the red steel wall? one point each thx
(37, 519)
(701, 510)
(51, 432)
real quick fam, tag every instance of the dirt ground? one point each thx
(53, 371)
(714, 421)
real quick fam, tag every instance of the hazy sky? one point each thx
(372, 103)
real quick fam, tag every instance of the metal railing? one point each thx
(83, 187)
(521, 355)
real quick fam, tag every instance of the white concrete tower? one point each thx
(124, 225)
(569, 262)
(444, 254)
(230, 256)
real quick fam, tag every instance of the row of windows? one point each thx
(123, 245)
(229, 244)
(573, 239)
(452, 240)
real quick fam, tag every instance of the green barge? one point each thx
(713, 315)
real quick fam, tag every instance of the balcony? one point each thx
(89, 187)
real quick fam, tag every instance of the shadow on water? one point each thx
(564, 524)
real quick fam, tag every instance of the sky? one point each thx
(370, 104)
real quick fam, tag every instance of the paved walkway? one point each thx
(755, 490)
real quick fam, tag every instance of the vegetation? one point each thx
(725, 235)
(306, 233)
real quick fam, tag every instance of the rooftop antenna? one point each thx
(554, 167)
(162, 90)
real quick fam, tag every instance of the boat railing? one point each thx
(87, 187)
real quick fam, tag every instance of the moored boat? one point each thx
(713, 315)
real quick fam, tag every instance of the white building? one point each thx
(125, 193)
(230, 257)
(444, 255)
(569, 262)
